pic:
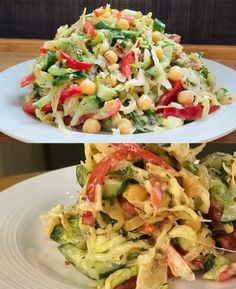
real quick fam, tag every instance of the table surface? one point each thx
(13, 51)
(6, 182)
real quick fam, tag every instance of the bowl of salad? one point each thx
(119, 72)
(147, 213)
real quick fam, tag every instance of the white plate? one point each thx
(15, 123)
(29, 260)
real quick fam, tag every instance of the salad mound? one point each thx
(146, 213)
(118, 71)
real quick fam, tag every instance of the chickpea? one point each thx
(111, 56)
(185, 97)
(123, 24)
(87, 87)
(110, 80)
(156, 36)
(136, 192)
(91, 125)
(159, 52)
(125, 126)
(175, 73)
(144, 102)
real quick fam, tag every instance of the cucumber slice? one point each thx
(229, 213)
(112, 188)
(61, 236)
(86, 264)
(221, 93)
(89, 104)
(42, 102)
(81, 174)
(106, 93)
(49, 60)
(98, 38)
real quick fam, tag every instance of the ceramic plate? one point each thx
(17, 124)
(28, 259)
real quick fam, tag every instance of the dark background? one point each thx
(198, 21)
(19, 158)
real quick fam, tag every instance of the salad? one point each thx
(146, 213)
(119, 71)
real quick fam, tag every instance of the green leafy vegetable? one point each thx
(191, 167)
(209, 263)
(158, 25)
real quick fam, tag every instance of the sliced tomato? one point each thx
(75, 64)
(43, 50)
(88, 218)
(29, 108)
(228, 273)
(89, 29)
(99, 11)
(27, 80)
(214, 108)
(110, 108)
(119, 51)
(138, 152)
(156, 193)
(147, 229)
(101, 170)
(171, 94)
(129, 284)
(175, 37)
(47, 108)
(125, 64)
(127, 207)
(190, 112)
(73, 90)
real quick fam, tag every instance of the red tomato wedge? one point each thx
(73, 90)
(125, 64)
(214, 108)
(99, 11)
(101, 170)
(147, 229)
(171, 94)
(43, 50)
(28, 107)
(138, 152)
(129, 284)
(189, 112)
(75, 64)
(228, 273)
(156, 193)
(47, 108)
(175, 37)
(127, 207)
(27, 80)
(89, 29)
(110, 108)
(88, 218)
